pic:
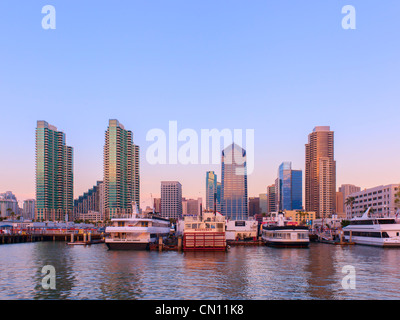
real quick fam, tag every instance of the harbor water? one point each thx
(242, 273)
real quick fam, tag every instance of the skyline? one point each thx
(276, 67)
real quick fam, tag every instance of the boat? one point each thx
(283, 234)
(381, 231)
(205, 232)
(136, 231)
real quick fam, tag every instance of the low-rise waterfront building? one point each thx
(381, 199)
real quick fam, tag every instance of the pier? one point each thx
(65, 237)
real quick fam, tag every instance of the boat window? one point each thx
(386, 221)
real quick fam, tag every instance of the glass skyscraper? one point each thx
(54, 174)
(289, 187)
(211, 190)
(234, 200)
(121, 171)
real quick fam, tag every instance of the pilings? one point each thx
(180, 243)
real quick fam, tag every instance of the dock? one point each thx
(234, 243)
(66, 237)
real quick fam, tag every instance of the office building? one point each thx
(234, 199)
(157, 205)
(254, 206)
(320, 178)
(346, 190)
(340, 210)
(121, 171)
(289, 188)
(263, 203)
(192, 207)
(381, 199)
(211, 190)
(171, 199)
(28, 210)
(54, 174)
(272, 203)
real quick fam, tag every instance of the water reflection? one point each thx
(242, 273)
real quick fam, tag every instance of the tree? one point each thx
(345, 223)
(302, 214)
(397, 198)
(350, 201)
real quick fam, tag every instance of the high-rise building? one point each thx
(121, 171)
(157, 205)
(211, 190)
(219, 192)
(346, 190)
(320, 178)
(340, 205)
(29, 209)
(263, 203)
(192, 207)
(234, 200)
(271, 194)
(171, 199)
(54, 174)
(8, 204)
(254, 206)
(289, 188)
(89, 201)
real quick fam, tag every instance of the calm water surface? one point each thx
(94, 272)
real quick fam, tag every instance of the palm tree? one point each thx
(302, 214)
(350, 201)
(397, 198)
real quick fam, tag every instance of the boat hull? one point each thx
(127, 246)
(281, 244)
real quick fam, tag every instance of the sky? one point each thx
(278, 67)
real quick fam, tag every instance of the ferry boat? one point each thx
(281, 234)
(374, 231)
(203, 233)
(136, 231)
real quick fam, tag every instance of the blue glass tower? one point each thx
(234, 200)
(290, 187)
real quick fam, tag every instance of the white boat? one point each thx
(281, 234)
(374, 231)
(136, 231)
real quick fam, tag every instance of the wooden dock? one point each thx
(233, 243)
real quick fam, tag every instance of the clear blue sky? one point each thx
(278, 67)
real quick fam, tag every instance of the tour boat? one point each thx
(374, 231)
(136, 231)
(284, 235)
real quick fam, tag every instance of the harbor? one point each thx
(252, 272)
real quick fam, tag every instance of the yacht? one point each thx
(136, 231)
(281, 234)
(374, 231)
